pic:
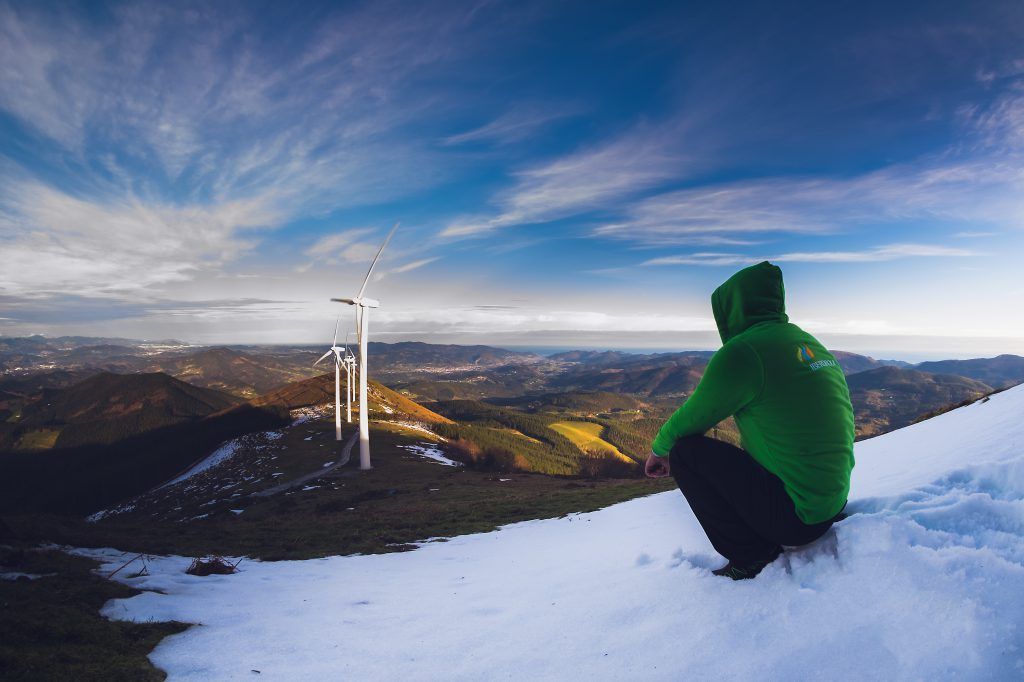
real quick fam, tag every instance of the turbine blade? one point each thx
(322, 358)
(336, 332)
(366, 281)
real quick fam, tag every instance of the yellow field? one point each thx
(514, 431)
(40, 439)
(587, 437)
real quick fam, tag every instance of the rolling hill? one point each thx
(999, 372)
(889, 398)
(109, 407)
(675, 374)
(233, 371)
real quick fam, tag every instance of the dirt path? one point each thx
(346, 455)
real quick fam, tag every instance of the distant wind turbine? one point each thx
(337, 380)
(363, 306)
(350, 371)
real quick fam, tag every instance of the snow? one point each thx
(432, 453)
(924, 581)
(18, 575)
(221, 454)
(415, 426)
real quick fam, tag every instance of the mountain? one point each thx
(673, 374)
(319, 390)
(853, 362)
(33, 353)
(415, 356)
(109, 407)
(501, 381)
(607, 357)
(923, 580)
(1000, 371)
(592, 402)
(82, 478)
(889, 398)
(234, 371)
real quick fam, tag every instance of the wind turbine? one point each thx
(337, 381)
(350, 370)
(363, 306)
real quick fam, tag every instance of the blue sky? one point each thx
(579, 174)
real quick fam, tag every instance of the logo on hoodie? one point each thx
(805, 355)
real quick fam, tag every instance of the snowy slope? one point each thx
(924, 581)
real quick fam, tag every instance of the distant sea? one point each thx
(552, 350)
(912, 357)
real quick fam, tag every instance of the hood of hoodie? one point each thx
(753, 295)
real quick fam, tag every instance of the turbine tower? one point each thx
(350, 369)
(337, 380)
(363, 306)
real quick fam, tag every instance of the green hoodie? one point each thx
(788, 395)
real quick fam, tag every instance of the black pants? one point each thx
(743, 508)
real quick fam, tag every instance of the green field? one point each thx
(587, 436)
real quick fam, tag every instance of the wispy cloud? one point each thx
(999, 124)
(413, 265)
(343, 247)
(971, 234)
(878, 253)
(588, 180)
(514, 125)
(207, 128)
(491, 319)
(55, 242)
(965, 191)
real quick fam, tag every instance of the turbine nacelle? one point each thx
(361, 301)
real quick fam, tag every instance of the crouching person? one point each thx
(789, 482)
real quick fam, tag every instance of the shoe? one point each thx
(748, 571)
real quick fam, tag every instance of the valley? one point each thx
(108, 428)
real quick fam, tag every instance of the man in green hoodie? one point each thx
(789, 481)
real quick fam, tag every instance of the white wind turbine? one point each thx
(350, 371)
(363, 306)
(337, 380)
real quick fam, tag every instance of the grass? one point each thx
(587, 436)
(38, 439)
(51, 628)
(404, 498)
(516, 432)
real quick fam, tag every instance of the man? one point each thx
(790, 480)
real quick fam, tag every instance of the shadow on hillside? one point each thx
(84, 479)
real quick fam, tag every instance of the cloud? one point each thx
(54, 242)
(585, 181)
(413, 265)
(879, 253)
(156, 137)
(494, 319)
(515, 125)
(708, 214)
(343, 247)
(1000, 124)
(965, 191)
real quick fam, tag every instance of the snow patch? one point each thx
(17, 575)
(415, 426)
(925, 580)
(432, 453)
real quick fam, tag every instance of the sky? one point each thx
(572, 174)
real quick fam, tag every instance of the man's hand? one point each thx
(657, 467)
